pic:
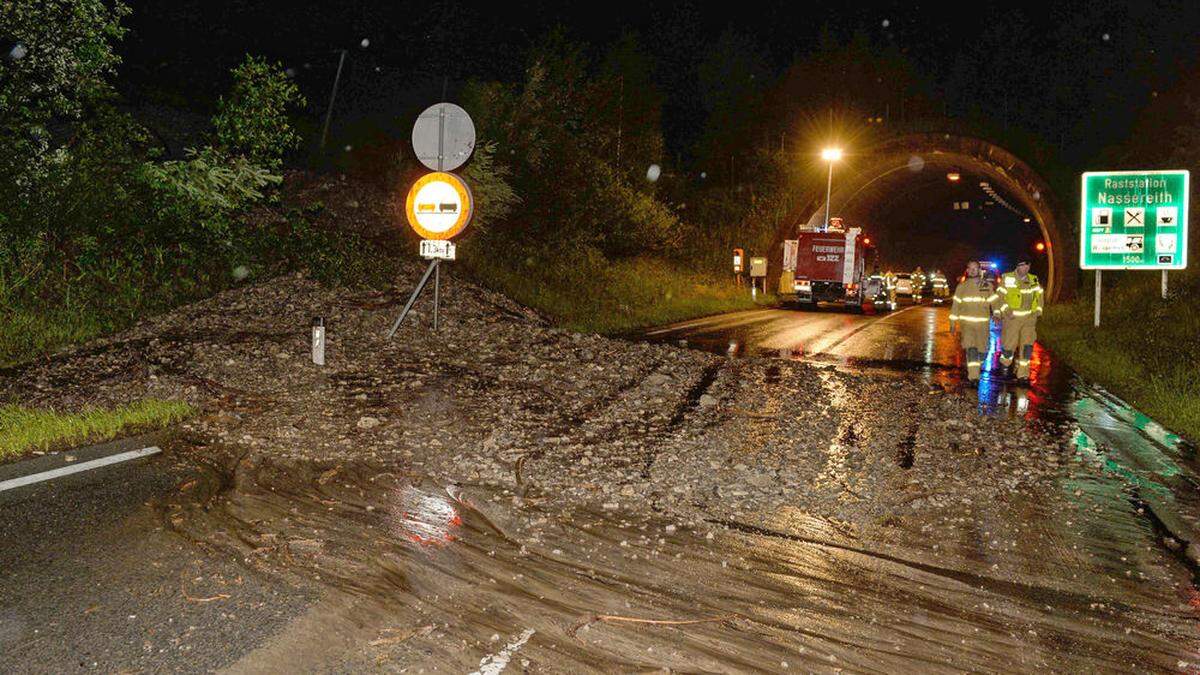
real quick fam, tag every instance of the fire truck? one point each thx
(834, 265)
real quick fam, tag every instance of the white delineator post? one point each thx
(318, 341)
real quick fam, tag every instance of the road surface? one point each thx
(766, 516)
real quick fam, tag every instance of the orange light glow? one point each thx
(1041, 246)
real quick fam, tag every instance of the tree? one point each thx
(252, 120)
(67, 59)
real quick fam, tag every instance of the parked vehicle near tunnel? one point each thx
(833, 266)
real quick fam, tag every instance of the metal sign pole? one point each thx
(437, 282)
(1164, 285)
(1096, 319)
(332, 95)
(433, 265)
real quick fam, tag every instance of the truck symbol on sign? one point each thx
(448, 208)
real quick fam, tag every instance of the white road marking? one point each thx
(715, 321)
(76, 468)
(493, 664)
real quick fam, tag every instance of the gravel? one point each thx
(500, 397)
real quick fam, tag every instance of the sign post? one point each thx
(1133, 220)
(439, 205)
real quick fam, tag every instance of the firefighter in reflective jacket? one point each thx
(975, 300)
(1022, 306)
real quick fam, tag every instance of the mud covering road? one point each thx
(507, 496)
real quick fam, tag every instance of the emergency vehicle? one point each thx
(834, 265)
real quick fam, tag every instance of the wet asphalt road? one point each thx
(91, 579)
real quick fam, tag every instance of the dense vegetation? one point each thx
(98, 227)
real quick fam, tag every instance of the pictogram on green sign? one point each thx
(1134, 220)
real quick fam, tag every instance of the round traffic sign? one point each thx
(439, 205)
(443, 137)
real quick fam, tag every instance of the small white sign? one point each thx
(1165, 243)
(1168, 216)
(1118, 243)
(1135, 217)
(1102, 217)
(437, 248)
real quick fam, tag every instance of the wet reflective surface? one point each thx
(1020, 586)
(846, 504)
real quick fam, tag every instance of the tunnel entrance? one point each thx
(1002, 185)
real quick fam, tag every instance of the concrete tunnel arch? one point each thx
(940, 151)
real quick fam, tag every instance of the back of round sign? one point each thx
(443, 137)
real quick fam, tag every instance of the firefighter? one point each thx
(918, 284)
(1022, 305)
(975, 300)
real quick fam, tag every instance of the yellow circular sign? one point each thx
(439, 205)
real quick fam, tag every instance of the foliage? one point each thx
(490, 184)
(68, 57)
(210, 190)
(95, 230)
(253, 119)
(558, 131)
(25, 429)
(1147, 350)
(585, 291)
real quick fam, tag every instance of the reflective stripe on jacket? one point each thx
(1016, 291)
(974, 301)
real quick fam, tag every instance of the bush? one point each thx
(252, 120)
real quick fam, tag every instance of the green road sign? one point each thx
(1134, 220)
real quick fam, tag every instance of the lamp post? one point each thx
(830, 155)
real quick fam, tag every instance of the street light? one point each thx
(830, 155)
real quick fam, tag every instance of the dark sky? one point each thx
(1075, 76)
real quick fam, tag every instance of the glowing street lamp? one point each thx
(830, 155)
(953, 176)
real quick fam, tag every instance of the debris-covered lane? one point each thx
(507, 492)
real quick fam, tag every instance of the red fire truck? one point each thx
(834, 265)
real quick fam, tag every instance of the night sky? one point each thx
(1079, 77)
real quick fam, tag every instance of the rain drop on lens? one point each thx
(915, 163)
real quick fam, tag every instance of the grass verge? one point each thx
(23, 430)
(589, 294)
(1147, 350)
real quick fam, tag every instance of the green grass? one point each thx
(23, 429)
(1147, 350)
(595, 296)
